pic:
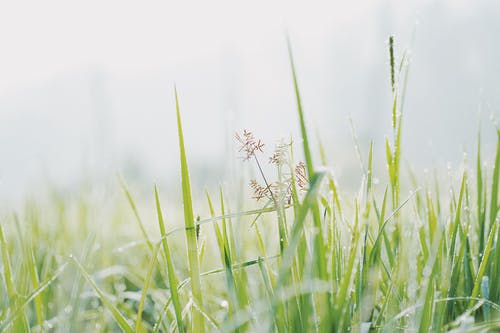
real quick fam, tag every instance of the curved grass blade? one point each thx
(136, 213)
(118, 316)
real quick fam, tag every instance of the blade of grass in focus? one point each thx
(495, 269)
(192, 246)
(320, 263)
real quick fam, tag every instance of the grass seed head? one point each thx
(301, 176)
(249, 145)
(280, 155)
(259, 191)
(391, 60)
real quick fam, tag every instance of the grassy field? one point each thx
(298, 255)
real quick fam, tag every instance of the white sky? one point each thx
(41, 38)
(225, 55)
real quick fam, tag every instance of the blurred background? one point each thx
(86, 87)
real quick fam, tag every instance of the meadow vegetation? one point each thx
(401, 255)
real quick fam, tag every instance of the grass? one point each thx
(305, 257)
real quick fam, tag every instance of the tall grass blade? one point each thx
(481, 210)
(495, 274)
(319, 247)
(192, 246)
(228, 263)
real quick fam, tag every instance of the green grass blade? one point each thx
(457, 219)
(394, 213)
(484, 264)
(78, 284)
(228, 263)
(159, 322)
(21, 306)
(369, 181)
(303, 130)
(209, 319)
(397, 159)
(390, 162)
(29, 259)
(495, 274)
(426, 319)
(7, 268)
(192, 246)
(33, 271)
(147, 280)
(349, 271)
(375, 252)
(218, 232)
(481, 212)
(172, 280)
(117, 315)
(20, 324)
(495, 184)
(295, 237)
(319, 247)
(432, 220)
(136, 213)
(456, 271)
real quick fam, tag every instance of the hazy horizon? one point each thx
(89, 87)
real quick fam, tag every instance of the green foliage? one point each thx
(311, 258)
